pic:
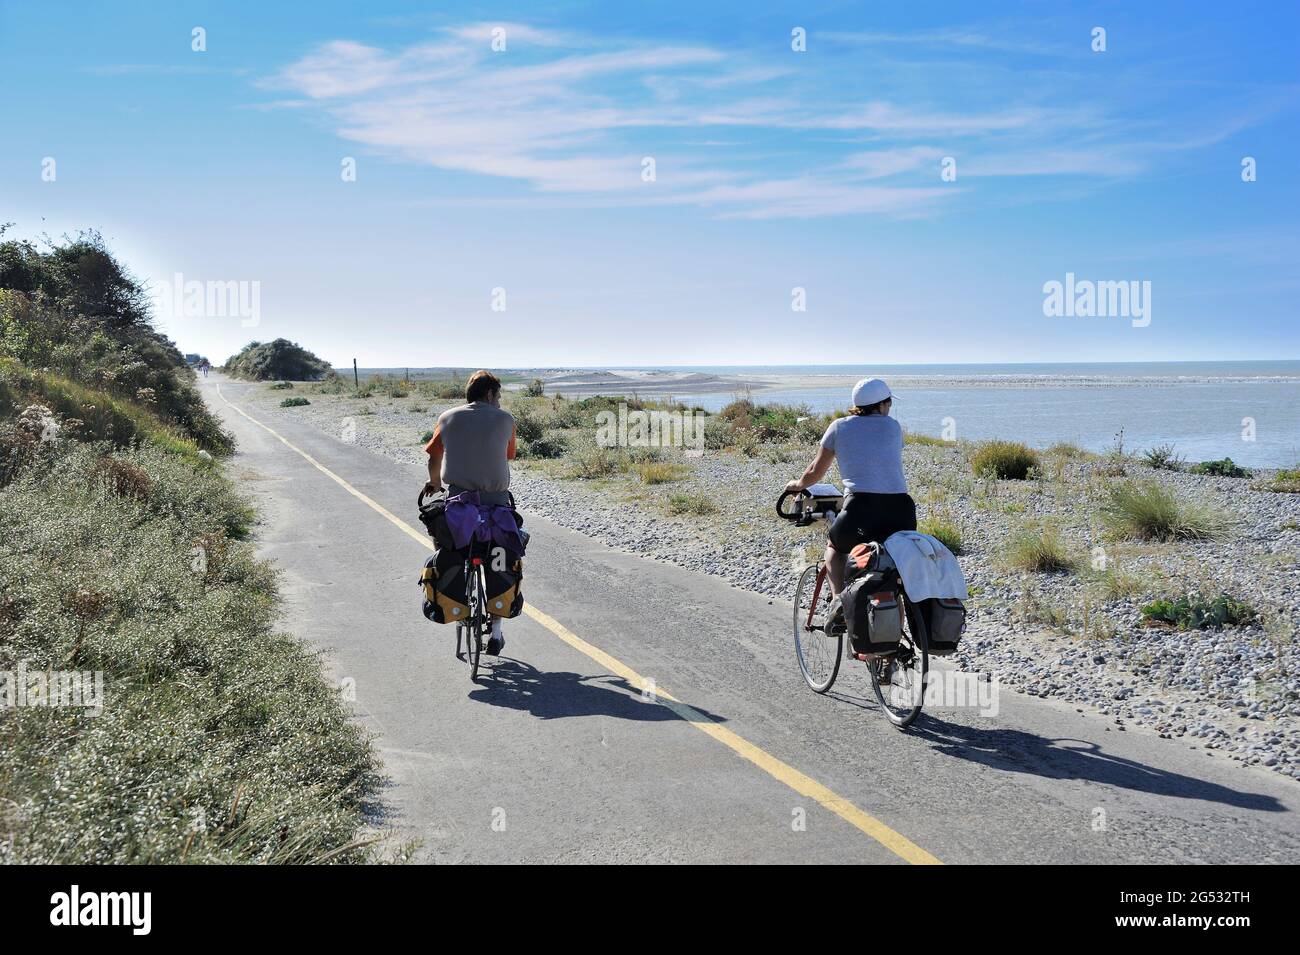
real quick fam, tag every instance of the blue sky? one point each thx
(522, 169)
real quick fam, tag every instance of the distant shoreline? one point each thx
(760, 379)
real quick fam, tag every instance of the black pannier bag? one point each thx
(945, 619)
(505, 596)
(433, 516)
(443, 581)
(873, 614)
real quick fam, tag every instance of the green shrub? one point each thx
(545, 446)
(945, 529)
(1196, 612)
(681, 502)
(279, 359)
(1148, 511)
(1285, 481)
(90, 414)
(1039, 550)
(1224, 468)
(282, 386)
(295, 402)
(528, 427)
(534, 389)
(1005, 460)
(773, 422)
(596, 463)
(1163, 458)
(73, 313)
(718, 434)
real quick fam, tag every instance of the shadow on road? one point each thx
(551, 695)
(1019, 752)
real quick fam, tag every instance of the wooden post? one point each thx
(356, 380)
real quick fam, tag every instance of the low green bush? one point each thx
(545, 446)
(296, 402)
(1163, 458)
(1223, 468)
(1004, 460)
(1197, 612)
(1285, 481)
(589, 463)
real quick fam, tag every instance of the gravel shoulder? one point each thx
(1076, 636)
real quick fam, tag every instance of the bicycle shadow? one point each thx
(1017, 751)
(552, 695)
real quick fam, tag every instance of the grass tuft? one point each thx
(1148, 511)
(682, 502)
(1039, 549)
(945, 528)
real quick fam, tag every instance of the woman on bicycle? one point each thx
(868, 444)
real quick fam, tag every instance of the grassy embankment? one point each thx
(124, 552)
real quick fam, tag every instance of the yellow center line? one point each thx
(805, 785)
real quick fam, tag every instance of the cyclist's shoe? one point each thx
(496, 639)
(835, 618)
(885, 671)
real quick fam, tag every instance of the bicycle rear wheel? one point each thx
(818, 652)
(904, 694)
(473, 647)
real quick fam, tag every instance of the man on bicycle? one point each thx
(868, 444)
(470, 450)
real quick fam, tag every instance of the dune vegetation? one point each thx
(150, 711)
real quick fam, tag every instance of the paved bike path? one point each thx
(554, 757)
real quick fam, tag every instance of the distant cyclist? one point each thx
(470, 450)
(868, 444)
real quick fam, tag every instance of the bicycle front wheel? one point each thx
(818, 651)
(899, 680)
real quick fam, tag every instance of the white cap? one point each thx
(870, 391)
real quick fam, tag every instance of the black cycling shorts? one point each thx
(871, 517)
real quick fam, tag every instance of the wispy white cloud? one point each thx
(574, 116)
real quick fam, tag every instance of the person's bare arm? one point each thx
(815, 471)
(435, 449)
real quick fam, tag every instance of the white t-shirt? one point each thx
(869, 449)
